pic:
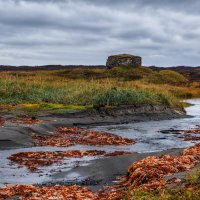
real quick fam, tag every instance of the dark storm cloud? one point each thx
(86, 31)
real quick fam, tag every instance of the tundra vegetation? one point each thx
(76, 89)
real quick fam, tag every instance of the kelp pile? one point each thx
(189, 138)
(30, 192)
(149, 172)
(2, 122)
(28, 121)
(33, 160)
(65, 137)
(193, 131)
(191, 135)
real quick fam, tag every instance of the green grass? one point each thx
(116, 97)
(193, 178)
(32, 109)
(51, 108)
(88, 87)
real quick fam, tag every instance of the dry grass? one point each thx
(81, 86)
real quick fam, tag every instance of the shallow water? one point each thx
(150, 136)
(157, 135)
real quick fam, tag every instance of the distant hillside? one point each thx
(192, 73)
(47, 67)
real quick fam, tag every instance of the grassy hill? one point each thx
(96, 86)
(192, 73)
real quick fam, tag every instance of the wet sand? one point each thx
(103, 172)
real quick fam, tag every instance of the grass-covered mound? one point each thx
(126, 73)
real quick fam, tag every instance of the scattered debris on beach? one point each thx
(30, 192)
(189, 138)
(65, 137)
(27, 121)
(149, 172)
(146, 174)
(33, 160)
(191, 135)
(193, 131)
(31, 120)
(2, 122)
(117, 153)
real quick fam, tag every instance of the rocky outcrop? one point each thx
(123, 60)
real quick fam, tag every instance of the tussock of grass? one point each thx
(115, 97)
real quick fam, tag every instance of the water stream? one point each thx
(150, 136)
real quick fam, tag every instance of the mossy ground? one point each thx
(33, 109)
(51, 107)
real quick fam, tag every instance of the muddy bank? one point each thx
(103, 172)
(13, 135)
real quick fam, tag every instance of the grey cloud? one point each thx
(183, 5)
(86, 31)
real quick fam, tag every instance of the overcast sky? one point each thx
(39, 32)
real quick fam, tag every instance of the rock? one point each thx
(123, 60)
